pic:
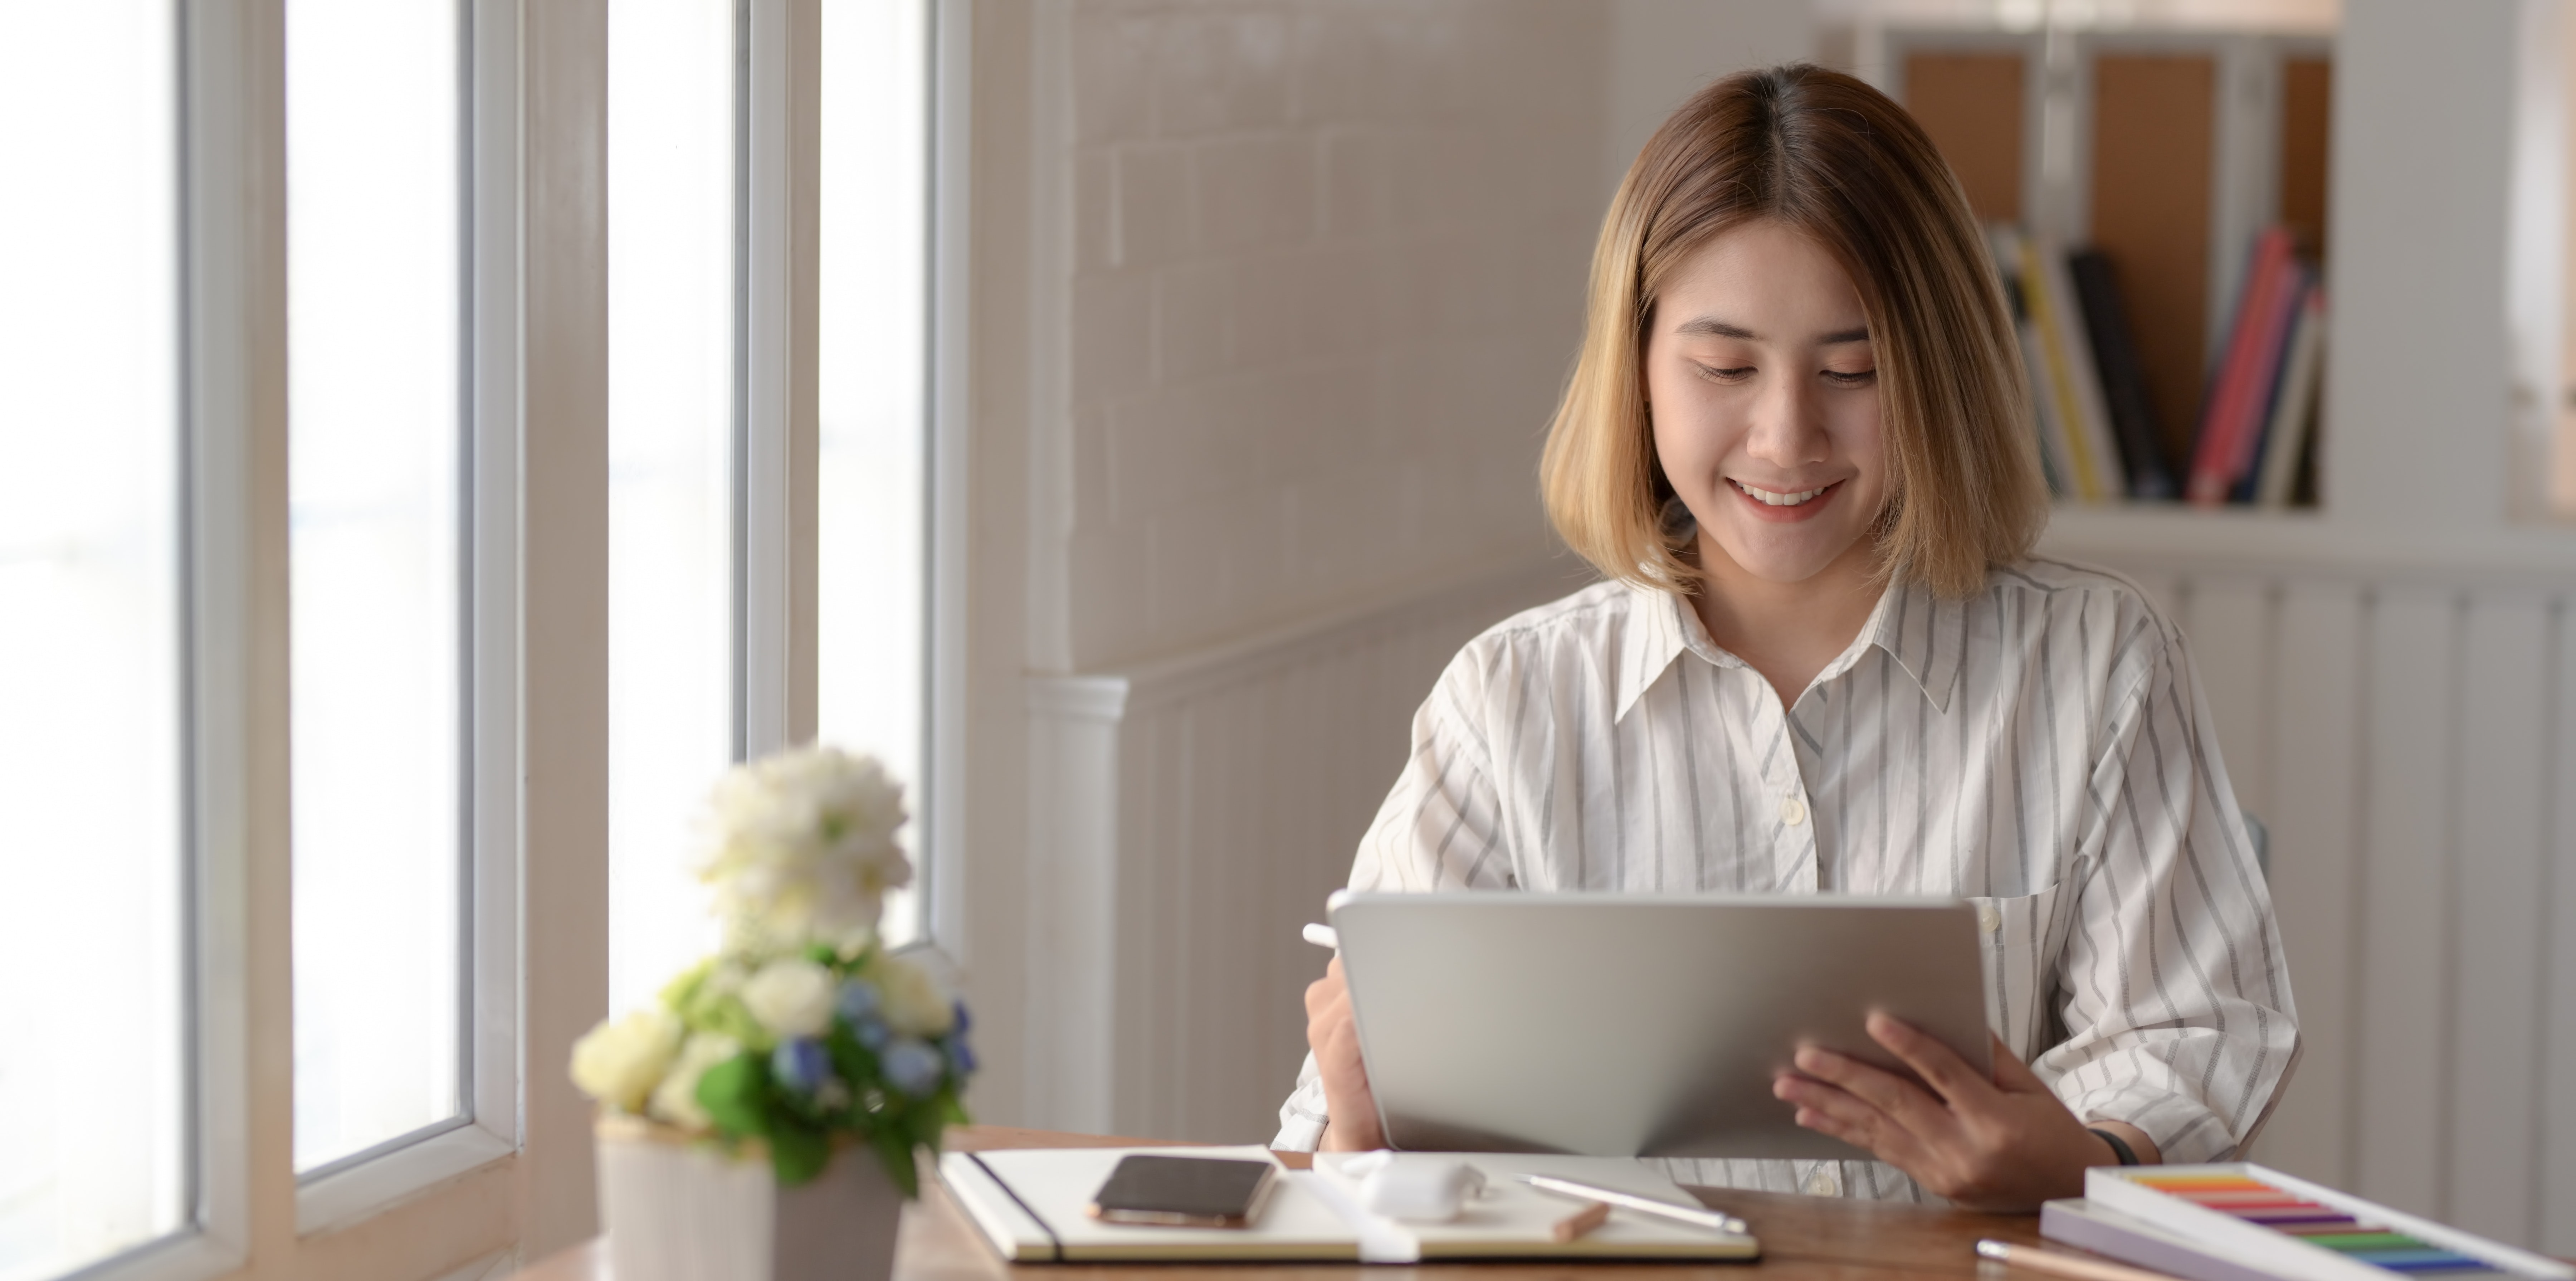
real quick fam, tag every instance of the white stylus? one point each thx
(1323, 936)
(1713, 1220)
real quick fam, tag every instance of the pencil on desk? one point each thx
(2064, 1265)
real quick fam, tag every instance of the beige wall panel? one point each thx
(2153, 147)
(1971, 104)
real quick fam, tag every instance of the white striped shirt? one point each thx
(2041, 749)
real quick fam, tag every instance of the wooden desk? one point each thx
(1803, 1239)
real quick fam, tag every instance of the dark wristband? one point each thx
(2119, 1146)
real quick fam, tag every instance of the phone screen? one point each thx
(1184, 1191)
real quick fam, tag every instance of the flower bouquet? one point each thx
(734, 1112)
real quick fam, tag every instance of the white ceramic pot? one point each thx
(682, 1210)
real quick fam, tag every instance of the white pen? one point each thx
(1714, 1220)
(1323, 936)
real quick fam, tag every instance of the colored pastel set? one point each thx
(2289, 1227)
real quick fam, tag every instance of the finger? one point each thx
(2012, 1076)
(1833, 1128)
(1938, 1064)
(1909, 1104)
(1852, 1119)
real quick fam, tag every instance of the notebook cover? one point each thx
(2126, 1189)
(2105, 1231)
(1027, 1204)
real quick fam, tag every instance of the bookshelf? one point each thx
(2163, 152)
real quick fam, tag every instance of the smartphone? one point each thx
(1184, 1191)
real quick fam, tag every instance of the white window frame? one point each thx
(514, 1182)
(487, 1129)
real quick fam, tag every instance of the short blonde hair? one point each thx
(1828, 155)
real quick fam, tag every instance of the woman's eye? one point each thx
(1841, 379)
(1717, 375)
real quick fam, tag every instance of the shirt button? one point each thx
(1823, 1183)
(1792, 810)
(1988, 919)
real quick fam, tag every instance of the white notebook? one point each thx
(1029, 1203)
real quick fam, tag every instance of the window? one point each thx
(94, 1144)
(376, 443)
(672, 429)
(305, 634)
(699, 316)
(872, 558)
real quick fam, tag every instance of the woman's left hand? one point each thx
(2000, 1144)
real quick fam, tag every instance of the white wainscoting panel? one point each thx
(2397, 708)
(1189, 816)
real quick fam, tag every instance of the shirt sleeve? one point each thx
(2174, 990)
(1302, 1117)
(1438, 830)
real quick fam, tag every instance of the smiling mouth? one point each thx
(1779, 498)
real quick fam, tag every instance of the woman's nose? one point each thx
(1787, 430)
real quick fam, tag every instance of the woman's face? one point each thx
(1763, 390)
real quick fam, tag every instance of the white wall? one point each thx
(1663, 51)
(1318, 267)
(1273, 302)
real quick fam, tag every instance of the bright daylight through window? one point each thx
(93, 1140)
(872, 559)
(375, 451)
(670, 470)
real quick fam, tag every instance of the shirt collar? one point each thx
(1922, 632)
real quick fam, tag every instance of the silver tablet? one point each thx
(1633, 1025)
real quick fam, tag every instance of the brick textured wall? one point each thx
(1324, 285)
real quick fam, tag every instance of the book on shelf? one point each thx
(2294, 409)
(2055, 462)
(2241, 395)
(2065, 377)
(2124, 378)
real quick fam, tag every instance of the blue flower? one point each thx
(857, 1000)
(961, 1056)
(800, 1064)
(913, 1067)
(870, 1031)
(959, 1027)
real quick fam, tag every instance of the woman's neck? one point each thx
(1787, 632)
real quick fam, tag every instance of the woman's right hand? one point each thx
(1335, 1039)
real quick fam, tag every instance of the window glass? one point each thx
(671, 274)
(375, 446)
(873, 300)
(93, 1144)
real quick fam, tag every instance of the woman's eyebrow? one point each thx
(1712, 327)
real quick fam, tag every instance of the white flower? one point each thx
(676, 1099)
(915, 1004)
(619, 1063)
(791, 997)
(801, 848)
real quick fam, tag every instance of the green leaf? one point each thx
(797, 1154)
(894, 1152)
(736, 1094)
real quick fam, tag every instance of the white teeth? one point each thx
(1776, 499)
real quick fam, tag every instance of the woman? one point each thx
(1798, 446)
